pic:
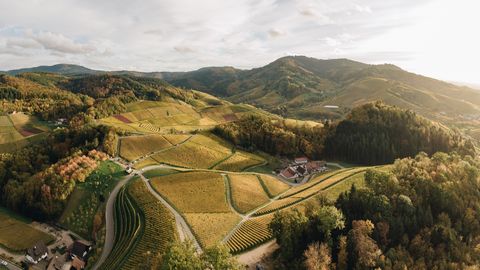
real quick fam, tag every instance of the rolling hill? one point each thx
(304, 87)
(309, 88)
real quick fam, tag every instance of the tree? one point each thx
(219, 258)
(363, 249)
(182, 256)
(342, 256)
(317, 257)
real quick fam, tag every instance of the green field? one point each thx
(17, 235)
(87, 197)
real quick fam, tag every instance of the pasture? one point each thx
(17, 235)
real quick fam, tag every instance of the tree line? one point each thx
(374, 133)
(423, 214)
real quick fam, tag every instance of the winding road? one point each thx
(109, 221)
(184, 231)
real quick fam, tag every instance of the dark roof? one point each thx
(79, 248)
(37, 251)
(301, 170)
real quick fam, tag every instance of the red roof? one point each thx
(288, 172)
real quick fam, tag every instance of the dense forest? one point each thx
(37, 179)
(373, 133)
(424, 214)
(51, 96)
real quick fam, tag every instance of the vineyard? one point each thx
(134, 147)
(193, 192)
(251, 233)
(201, 198)
(272, 186)
(211, 228)
(255, 230)
(191, 155)
(247, 192)
(239, 162)
(159, 229)
(129, 225)
(321, 184)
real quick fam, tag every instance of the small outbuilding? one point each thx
(37, 253)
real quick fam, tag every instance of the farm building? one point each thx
(302, 167)
(37, 253)
(80, 250)
(301, 160)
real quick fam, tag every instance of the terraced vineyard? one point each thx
(129, 225)
(255, 230)
(301, 194)
(159, 229)
(251, 233)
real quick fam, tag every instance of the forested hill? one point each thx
(301, 87)
(304, 87)
(374, 133)
(377, 133)
(51, 96)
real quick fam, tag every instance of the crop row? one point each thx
(250, 234)
(128, 226)
(307, 193)
(159, 229)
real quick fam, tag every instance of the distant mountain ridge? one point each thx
(309, 88)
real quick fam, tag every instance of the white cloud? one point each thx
(155, 35)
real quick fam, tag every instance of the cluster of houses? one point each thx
(302, 167)
(74, 259)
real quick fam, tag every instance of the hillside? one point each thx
(301, 87)
(309, 88)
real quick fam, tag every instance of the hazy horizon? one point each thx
(430, 37)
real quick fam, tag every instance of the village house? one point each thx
(37, 253)
(80, 250)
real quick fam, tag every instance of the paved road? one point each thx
(10, 265)
(109, 222)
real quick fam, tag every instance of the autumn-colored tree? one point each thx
(362, 247)
(317, 257)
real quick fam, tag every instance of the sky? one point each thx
(437, 38)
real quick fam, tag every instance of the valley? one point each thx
(137, 167)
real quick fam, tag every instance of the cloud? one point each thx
(60, 43)
(183, 49)
(187, 34)
(275, 33)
